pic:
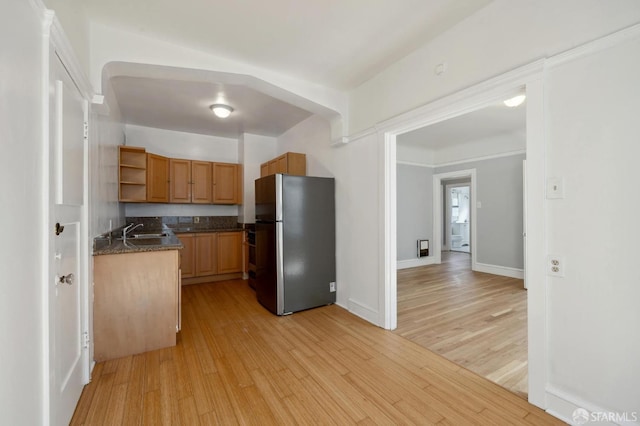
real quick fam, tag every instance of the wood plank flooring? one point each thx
(476, 320)
(236, 363)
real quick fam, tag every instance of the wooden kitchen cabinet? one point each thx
(157, 179)
(180, 181)
(147, 177)
(211, 256)
(291, 163)
(201, 182)
(271, 167)
(132, 174)
(227, 183)
(229, 252)
(190, 181)
(206, 249)
(187, 255)
(136, 303)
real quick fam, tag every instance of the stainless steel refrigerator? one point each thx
(295, 242)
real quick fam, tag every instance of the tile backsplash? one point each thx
(187, 222)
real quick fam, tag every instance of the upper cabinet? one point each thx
(132, 174)
(227, 183)
(291, 163)
(201, 182)
(180, 181)
(157, 179)
(146, 177)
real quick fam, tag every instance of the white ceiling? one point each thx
(184, 106)
(488, 122)
(335, 43)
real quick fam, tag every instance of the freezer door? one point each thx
(309, 245)
(266, 199)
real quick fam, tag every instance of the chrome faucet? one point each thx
(128, 229)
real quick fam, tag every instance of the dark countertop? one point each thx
(108, 245)
(111, 245)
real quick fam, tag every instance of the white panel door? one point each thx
(68, 354)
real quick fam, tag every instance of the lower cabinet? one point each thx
(229, 252)
(209, 256)
(187, 255)
(206, 259)
(136, 305)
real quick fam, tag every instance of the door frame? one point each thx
(440, 218)
(529, 79)
(55, 42)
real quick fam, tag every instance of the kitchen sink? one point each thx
(151, 241)
(148, 235)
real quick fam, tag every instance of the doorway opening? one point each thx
(468, 304)
(457, 232)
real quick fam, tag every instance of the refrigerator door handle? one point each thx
(278, 197)
(279, 269)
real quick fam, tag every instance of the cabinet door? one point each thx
(272, 167)
(229, 252)
(201, 179)
(206, 252)
(226, 183)
(264, 169)
(296, 163)
(180, 181)
(281, 164)
(187, 255)
(157, 179)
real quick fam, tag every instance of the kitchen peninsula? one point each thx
(138, 277)
(136, 292)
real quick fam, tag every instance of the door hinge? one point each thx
(86, 130)
(85, 339)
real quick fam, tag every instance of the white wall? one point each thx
(22, 187)
(593, 128)
(414, 208)
(253, 150)
(312, 137)
(496, 39)
(499, 222)
(188, 146)
(107, 133)
(359, 237)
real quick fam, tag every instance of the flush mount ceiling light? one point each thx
(515, 101)
(221, 110)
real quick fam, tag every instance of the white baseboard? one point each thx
(499, 270)
(364, 312)
(413, 263)
(562, 404)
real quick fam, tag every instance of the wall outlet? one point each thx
(332, 286)
(555, 265)
(196, 219)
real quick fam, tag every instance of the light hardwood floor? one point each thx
(236, 363)
(476, 320)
